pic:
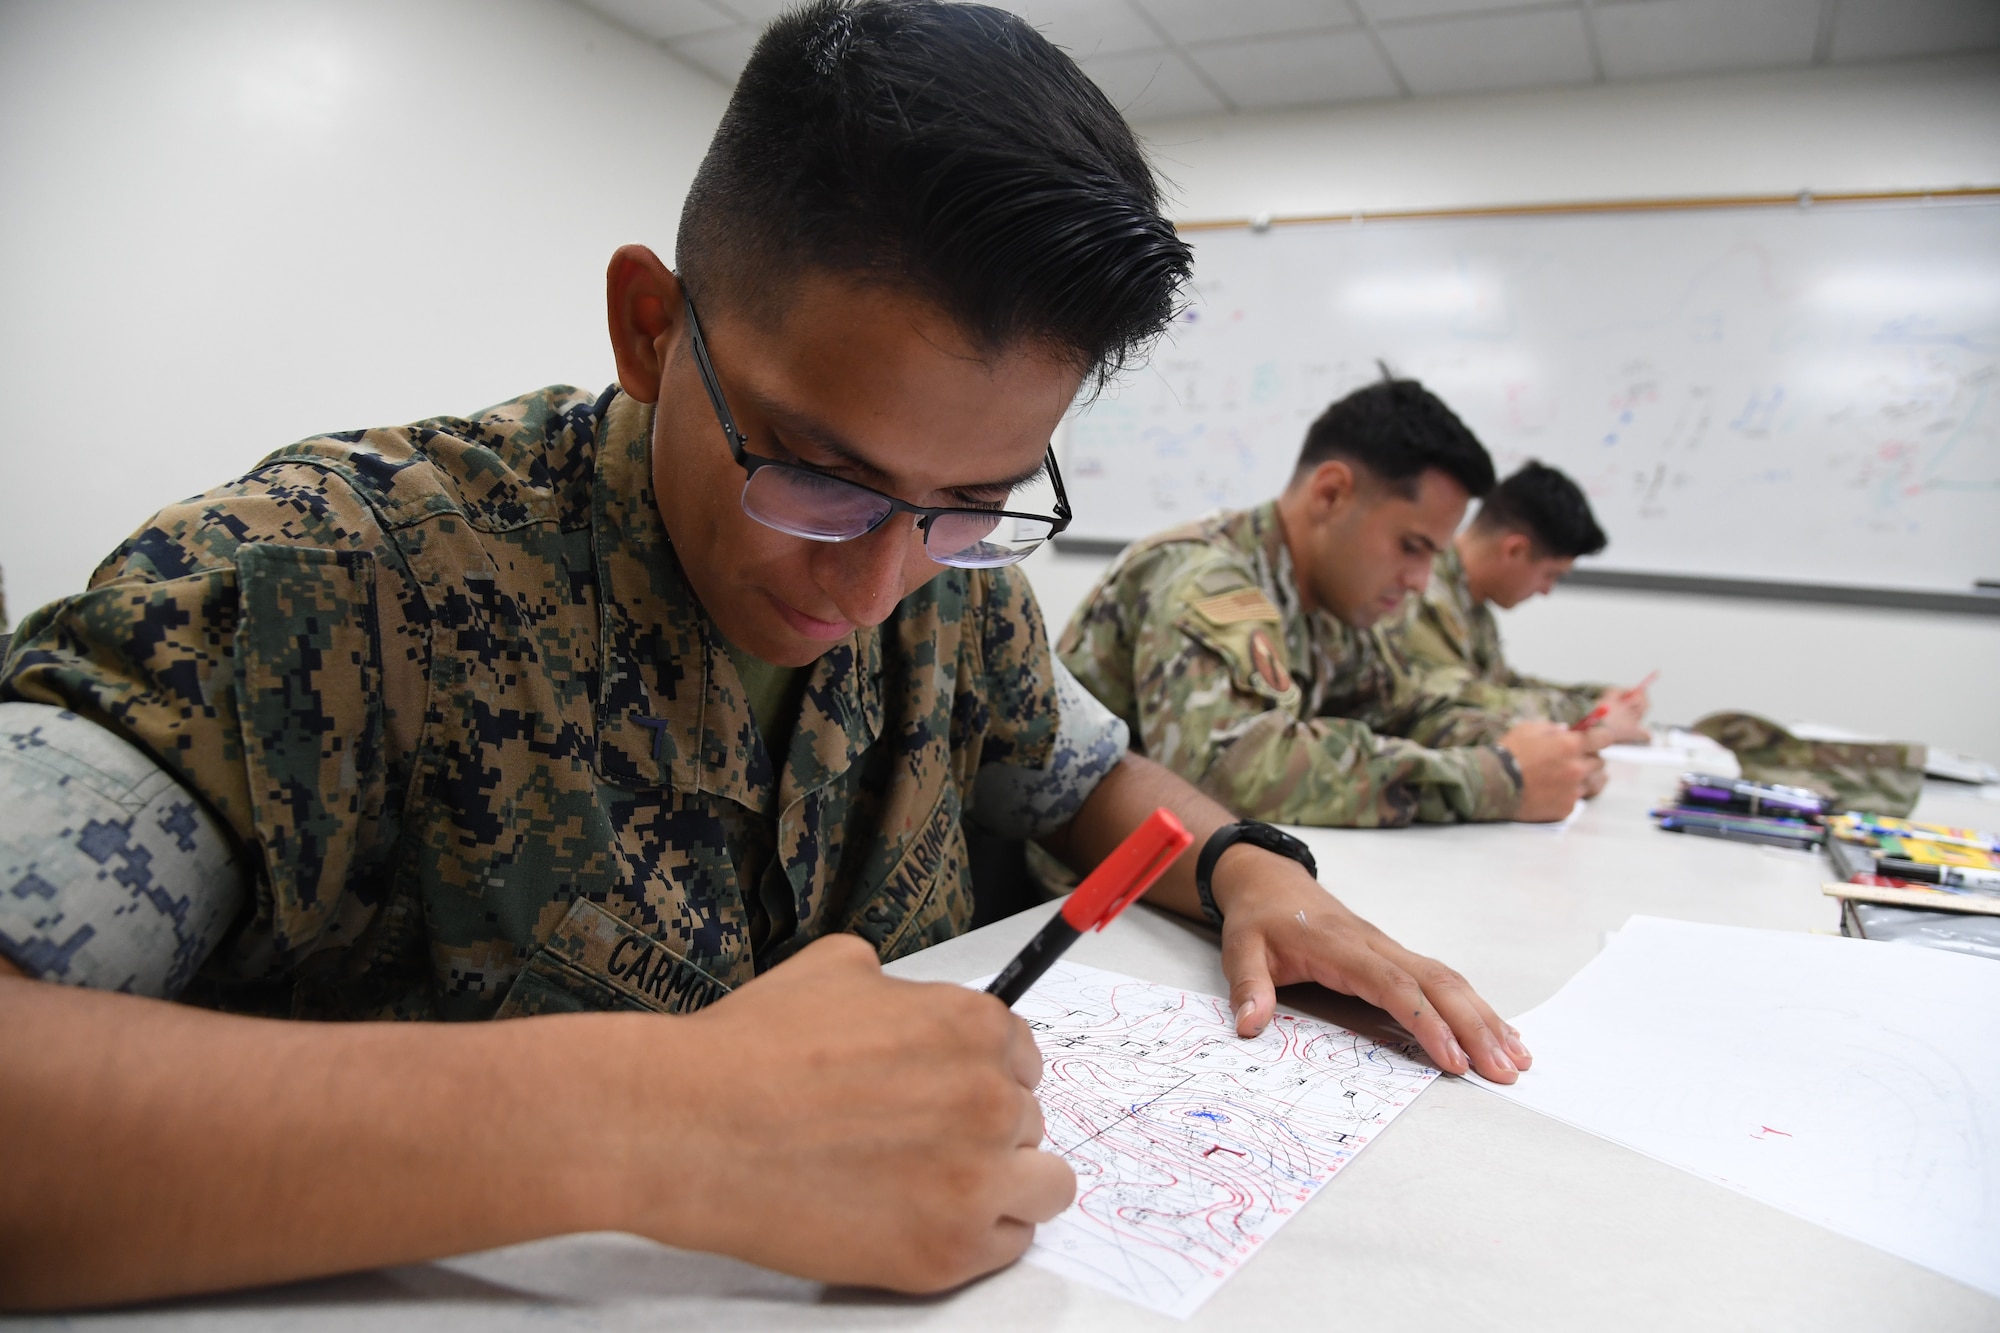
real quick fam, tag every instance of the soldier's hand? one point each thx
(1624, 720)
(1558, 767)
(1279, 927)
(853, 1128)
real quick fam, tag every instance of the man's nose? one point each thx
(865, 576)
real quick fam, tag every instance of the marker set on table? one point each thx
(1755, 812)
(1899, 853)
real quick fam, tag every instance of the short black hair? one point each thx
(1546, 505)
(946, 149)
(1397, 430)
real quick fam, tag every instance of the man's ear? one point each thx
(642, 304)
(1517, 547)
(1332, 486)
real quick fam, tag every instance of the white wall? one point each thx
(233, 223)
(1929, 124)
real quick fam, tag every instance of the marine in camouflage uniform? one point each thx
(1196, 638)
(449, 697)
(1451, 641)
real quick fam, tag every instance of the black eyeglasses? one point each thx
(805, 503)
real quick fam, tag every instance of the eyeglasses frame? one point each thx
(739, 450)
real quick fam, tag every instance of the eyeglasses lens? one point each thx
(805, 504)
(979, 541)
(827, 509)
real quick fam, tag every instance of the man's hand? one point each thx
(1624, 721)
(1280, 927)
(1558, 767)
(854, 1128)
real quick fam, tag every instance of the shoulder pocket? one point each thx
(1244, 629)
(309, 695)
(594, 961)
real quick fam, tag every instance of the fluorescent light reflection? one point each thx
(1890, 292)
(1417, 295)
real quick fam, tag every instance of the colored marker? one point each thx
(1676, 824)
(1597, 714)
(1120, 878)
(1757, 797)
(1951, 877)
(1881, 826)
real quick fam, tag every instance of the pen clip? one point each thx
(1128, 872)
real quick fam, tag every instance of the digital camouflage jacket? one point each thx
(447, 687)
(1197, 639)
(1452, 643)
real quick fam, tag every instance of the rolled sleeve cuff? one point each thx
(112, 875)
(1017, 802)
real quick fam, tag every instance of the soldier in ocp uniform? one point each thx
(1238, 651)
(651, 718)
(1528, 533)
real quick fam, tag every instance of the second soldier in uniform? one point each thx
(1237, 648)
(1528, 532)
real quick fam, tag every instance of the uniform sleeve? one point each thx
(1410, 704)
(112, 875)
(1533, 697)
(1522, 698)
(1019, 802)
(238, 641)
(1213, 698)
(1048, 742)
(1438, 669)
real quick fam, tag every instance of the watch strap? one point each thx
(1257, 835)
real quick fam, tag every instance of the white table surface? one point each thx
(1469, 1212)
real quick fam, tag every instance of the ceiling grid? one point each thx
(1158, 59)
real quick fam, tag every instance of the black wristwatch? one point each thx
(1257, 835)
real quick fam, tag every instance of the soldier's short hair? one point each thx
(1546, 505)
(1397, 430)
(946, 149)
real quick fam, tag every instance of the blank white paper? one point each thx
(1852, 1083)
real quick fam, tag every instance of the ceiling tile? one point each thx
(1396, 11)
(1473, 55)
(1152, 85)
(1089, 27)
(1885, 29)
(720, 53)
(1297, 71)
(1212, 20)
(1656, 37)
(663, 20)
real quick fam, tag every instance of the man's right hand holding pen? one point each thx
(1621, 715)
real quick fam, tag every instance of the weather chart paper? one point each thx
(1190, 1144)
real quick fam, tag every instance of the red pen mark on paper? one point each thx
(1767, 1132)
(1219, 1148)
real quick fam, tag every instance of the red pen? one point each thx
(1596, 715)
(1121, 877)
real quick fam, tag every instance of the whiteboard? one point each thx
(1805, 394)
